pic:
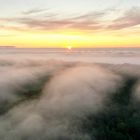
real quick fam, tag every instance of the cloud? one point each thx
(44, 19)
(57, 112)
(129, 19)
(42, 99)
(34, 11)
(60, 24)
(91, 15)
(51, 21)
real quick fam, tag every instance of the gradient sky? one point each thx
(76, 23)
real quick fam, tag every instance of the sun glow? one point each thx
(69, 47)
(68, 39)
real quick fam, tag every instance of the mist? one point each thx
(68, 100)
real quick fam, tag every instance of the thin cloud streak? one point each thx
(34, 11)
(42, 19)
(88, 21)
(129, 19)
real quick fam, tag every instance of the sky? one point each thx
(75, 23)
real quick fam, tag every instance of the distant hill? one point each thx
(7, 47)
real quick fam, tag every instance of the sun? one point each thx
(69, 47)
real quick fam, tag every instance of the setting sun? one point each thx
(69, 47)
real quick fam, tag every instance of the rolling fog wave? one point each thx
(57, 100)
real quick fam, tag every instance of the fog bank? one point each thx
(53, 99)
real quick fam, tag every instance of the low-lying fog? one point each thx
(100, 55)
(42, 99)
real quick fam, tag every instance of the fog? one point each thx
(53, 99)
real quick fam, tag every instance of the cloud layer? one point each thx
(129, 19)
(94, 20)
(51, 99)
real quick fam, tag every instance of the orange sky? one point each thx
(98, 26)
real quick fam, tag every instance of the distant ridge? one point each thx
(7, 47)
